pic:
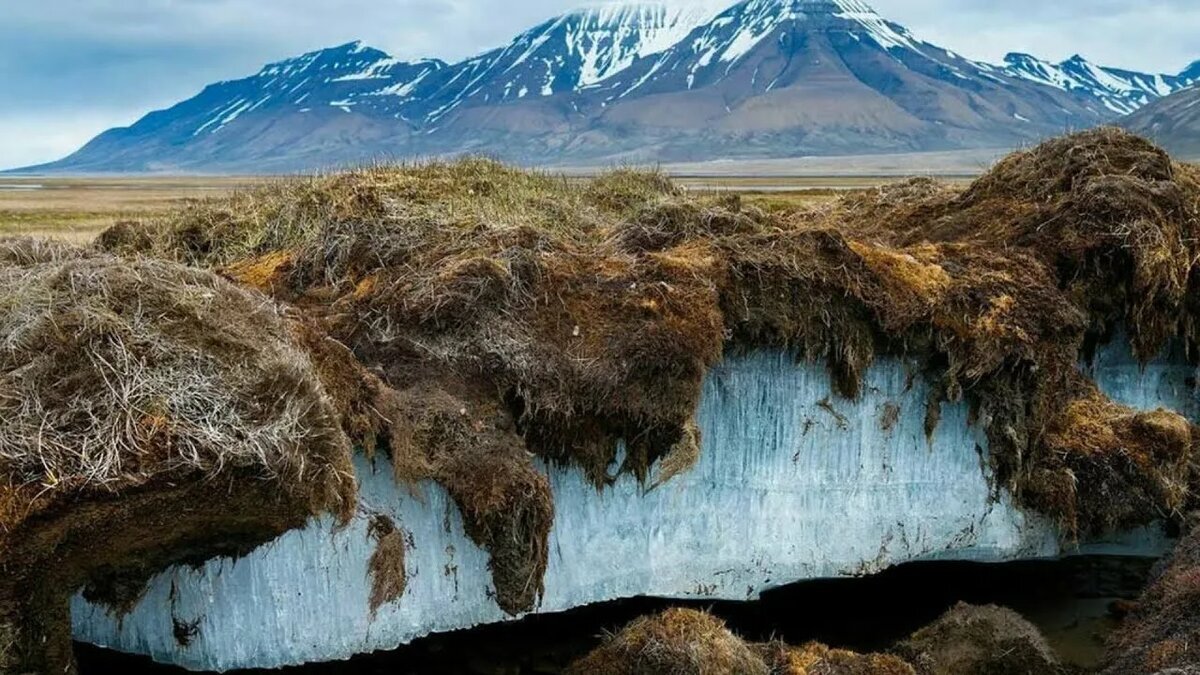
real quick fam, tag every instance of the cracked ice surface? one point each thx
(787, 488)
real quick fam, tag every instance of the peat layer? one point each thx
(468, 318)
(150, 413)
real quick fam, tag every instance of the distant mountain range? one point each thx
(1172, 121)
(634, 83)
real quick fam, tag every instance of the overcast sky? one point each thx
(72, 68)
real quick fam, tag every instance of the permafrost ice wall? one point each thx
(792, 484)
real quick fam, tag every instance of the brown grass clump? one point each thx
(24, 251)
(125, 237)
(675, 642)
(817, 659)
(1163, 631)
(149, 413)
(969, 640)
(468, 443)
(1110, 461)
(689, 642)
(1107, 211)
(386, 566)
(117, 373)
(566, 317)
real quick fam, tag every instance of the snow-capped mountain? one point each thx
(344, 76)
(644, 81)
(1172, 121)
(1121, 91)
(718, 46)
(567, 54)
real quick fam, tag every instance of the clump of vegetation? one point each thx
(469, 444)
(690, 642)
(988, 640)
(497, 312)
(675, 642)
(818, 659)
(1110, 215)
(1163, 631)
(148, 412)
(389, 577)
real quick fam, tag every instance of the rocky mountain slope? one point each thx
(1173, 122)
(637, 82)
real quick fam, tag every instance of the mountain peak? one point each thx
(612, 11)
(345, 56)
(577, 50)
(813, 7)
(1120, 91)
(1020, 57)
(646, 79)
(738, 29)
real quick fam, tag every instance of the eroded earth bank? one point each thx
(331, 416)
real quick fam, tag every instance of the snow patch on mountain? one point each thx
(1121, 91)
(609, 38)
(887, 34)
(758, 19)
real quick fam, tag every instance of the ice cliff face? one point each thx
(792, 484)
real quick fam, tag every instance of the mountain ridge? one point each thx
(1172, 121)
(633, 82)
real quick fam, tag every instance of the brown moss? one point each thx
(675, 642)
(1163, 630)
(263, 273)
(132, 534)
(970, 640)
(1108, 211)
(818, 659)
(682, 456)
(149, 414)
(690, 642)
(444, 431)
(386, 566)
(1112, 464)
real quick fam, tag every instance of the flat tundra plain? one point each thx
(77, 209)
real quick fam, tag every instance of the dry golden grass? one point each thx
(185, 395)
(784, 193)
(980, 640)
(818, 659)
(1162, 634)
(675, 642)
(690, 642)
(77, 209)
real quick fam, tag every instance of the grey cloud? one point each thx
(1151, 35)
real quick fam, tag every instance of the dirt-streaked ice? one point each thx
(793, 484)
